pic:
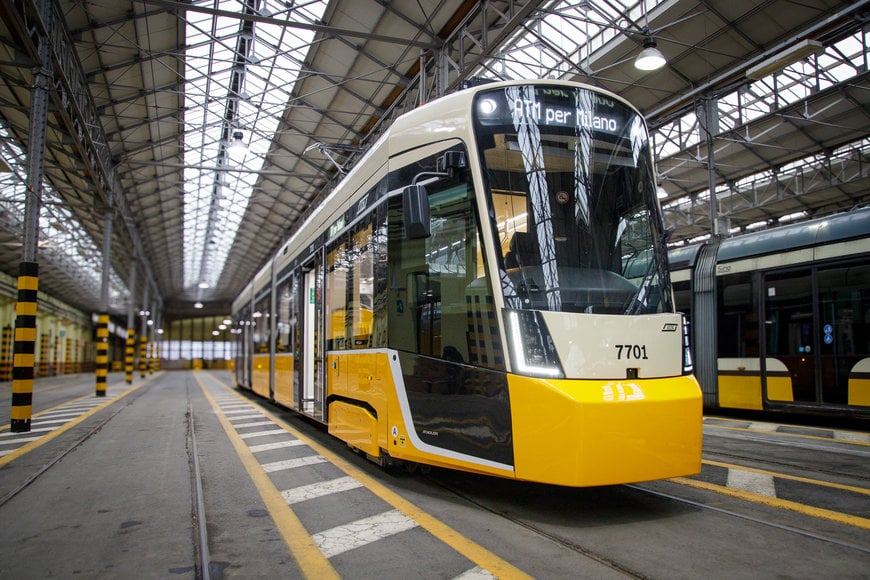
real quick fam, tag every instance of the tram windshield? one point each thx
(573, 195)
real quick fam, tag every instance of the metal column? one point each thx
(23, 358)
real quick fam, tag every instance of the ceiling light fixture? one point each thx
(650, 58)
(237, 142)
(661, 192)
(782, 59)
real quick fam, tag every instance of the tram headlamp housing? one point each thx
(532, 350)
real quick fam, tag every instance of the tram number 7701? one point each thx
(631, 352)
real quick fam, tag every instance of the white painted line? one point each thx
(11, 434)
(278, 445)
(42, 421)
(22, 440)
(261, 433)
(254, 424)
(476, 573)
(759, 483)
(362, 532)
(320, 489)
(292, 463)
(238, 411)
(758, 426)
(852, 436)
(249, 416)
(73, 413)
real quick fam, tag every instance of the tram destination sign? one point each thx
(570, 108)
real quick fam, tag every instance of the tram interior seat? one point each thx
(523, 251)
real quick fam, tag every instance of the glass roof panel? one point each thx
(237, 71)
(61, 238)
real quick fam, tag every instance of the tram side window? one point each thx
(286, 308)
(738, 308)
(435, 281)
(380, 298)
(350, 287)
(262, 324)
(844, 333)
(361, 292)
(241, 352)
(336, 295)
(683, 297)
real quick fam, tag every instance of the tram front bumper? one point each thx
(594, 432)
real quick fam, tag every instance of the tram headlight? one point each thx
(688, 366)
(487, 107)
(532, 350)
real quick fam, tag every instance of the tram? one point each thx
(487, 290)
(780, 316)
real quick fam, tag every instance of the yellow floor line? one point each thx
(471, 550)
(784, 434)
(24, 449)
(852, 488)
(308, 556)
(833, 516)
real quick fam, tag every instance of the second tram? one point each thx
(780, 316)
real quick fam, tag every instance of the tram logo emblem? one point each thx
(622, 392)
(670, 327)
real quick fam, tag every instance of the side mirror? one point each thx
(415, 206)
(415, 198)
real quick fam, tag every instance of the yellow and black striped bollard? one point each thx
(143, 356)
(6, 355)
(23, 358)
(102, 369)
(129, 352)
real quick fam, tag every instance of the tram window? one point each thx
(261, 324)
(336, 296)
(436, 282)
(844, 301)
(737, 324)
(361, 286)
(286, 308)
(350, 288)
(381, 279)
(683, 297)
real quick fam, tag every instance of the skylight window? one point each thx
(62, 241)
(239, 77)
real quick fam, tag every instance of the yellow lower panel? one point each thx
(584, 433)
(354, 425)
(740, 392)
(859, 392)
(260, 375)
(284, 379)
(779, 389)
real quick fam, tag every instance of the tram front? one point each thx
(601, 384)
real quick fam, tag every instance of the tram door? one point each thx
(789, 332)
(312, 352)
(842, 294)
(814, 324)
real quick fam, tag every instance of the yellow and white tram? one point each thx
(781, 316)
(487, 290)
